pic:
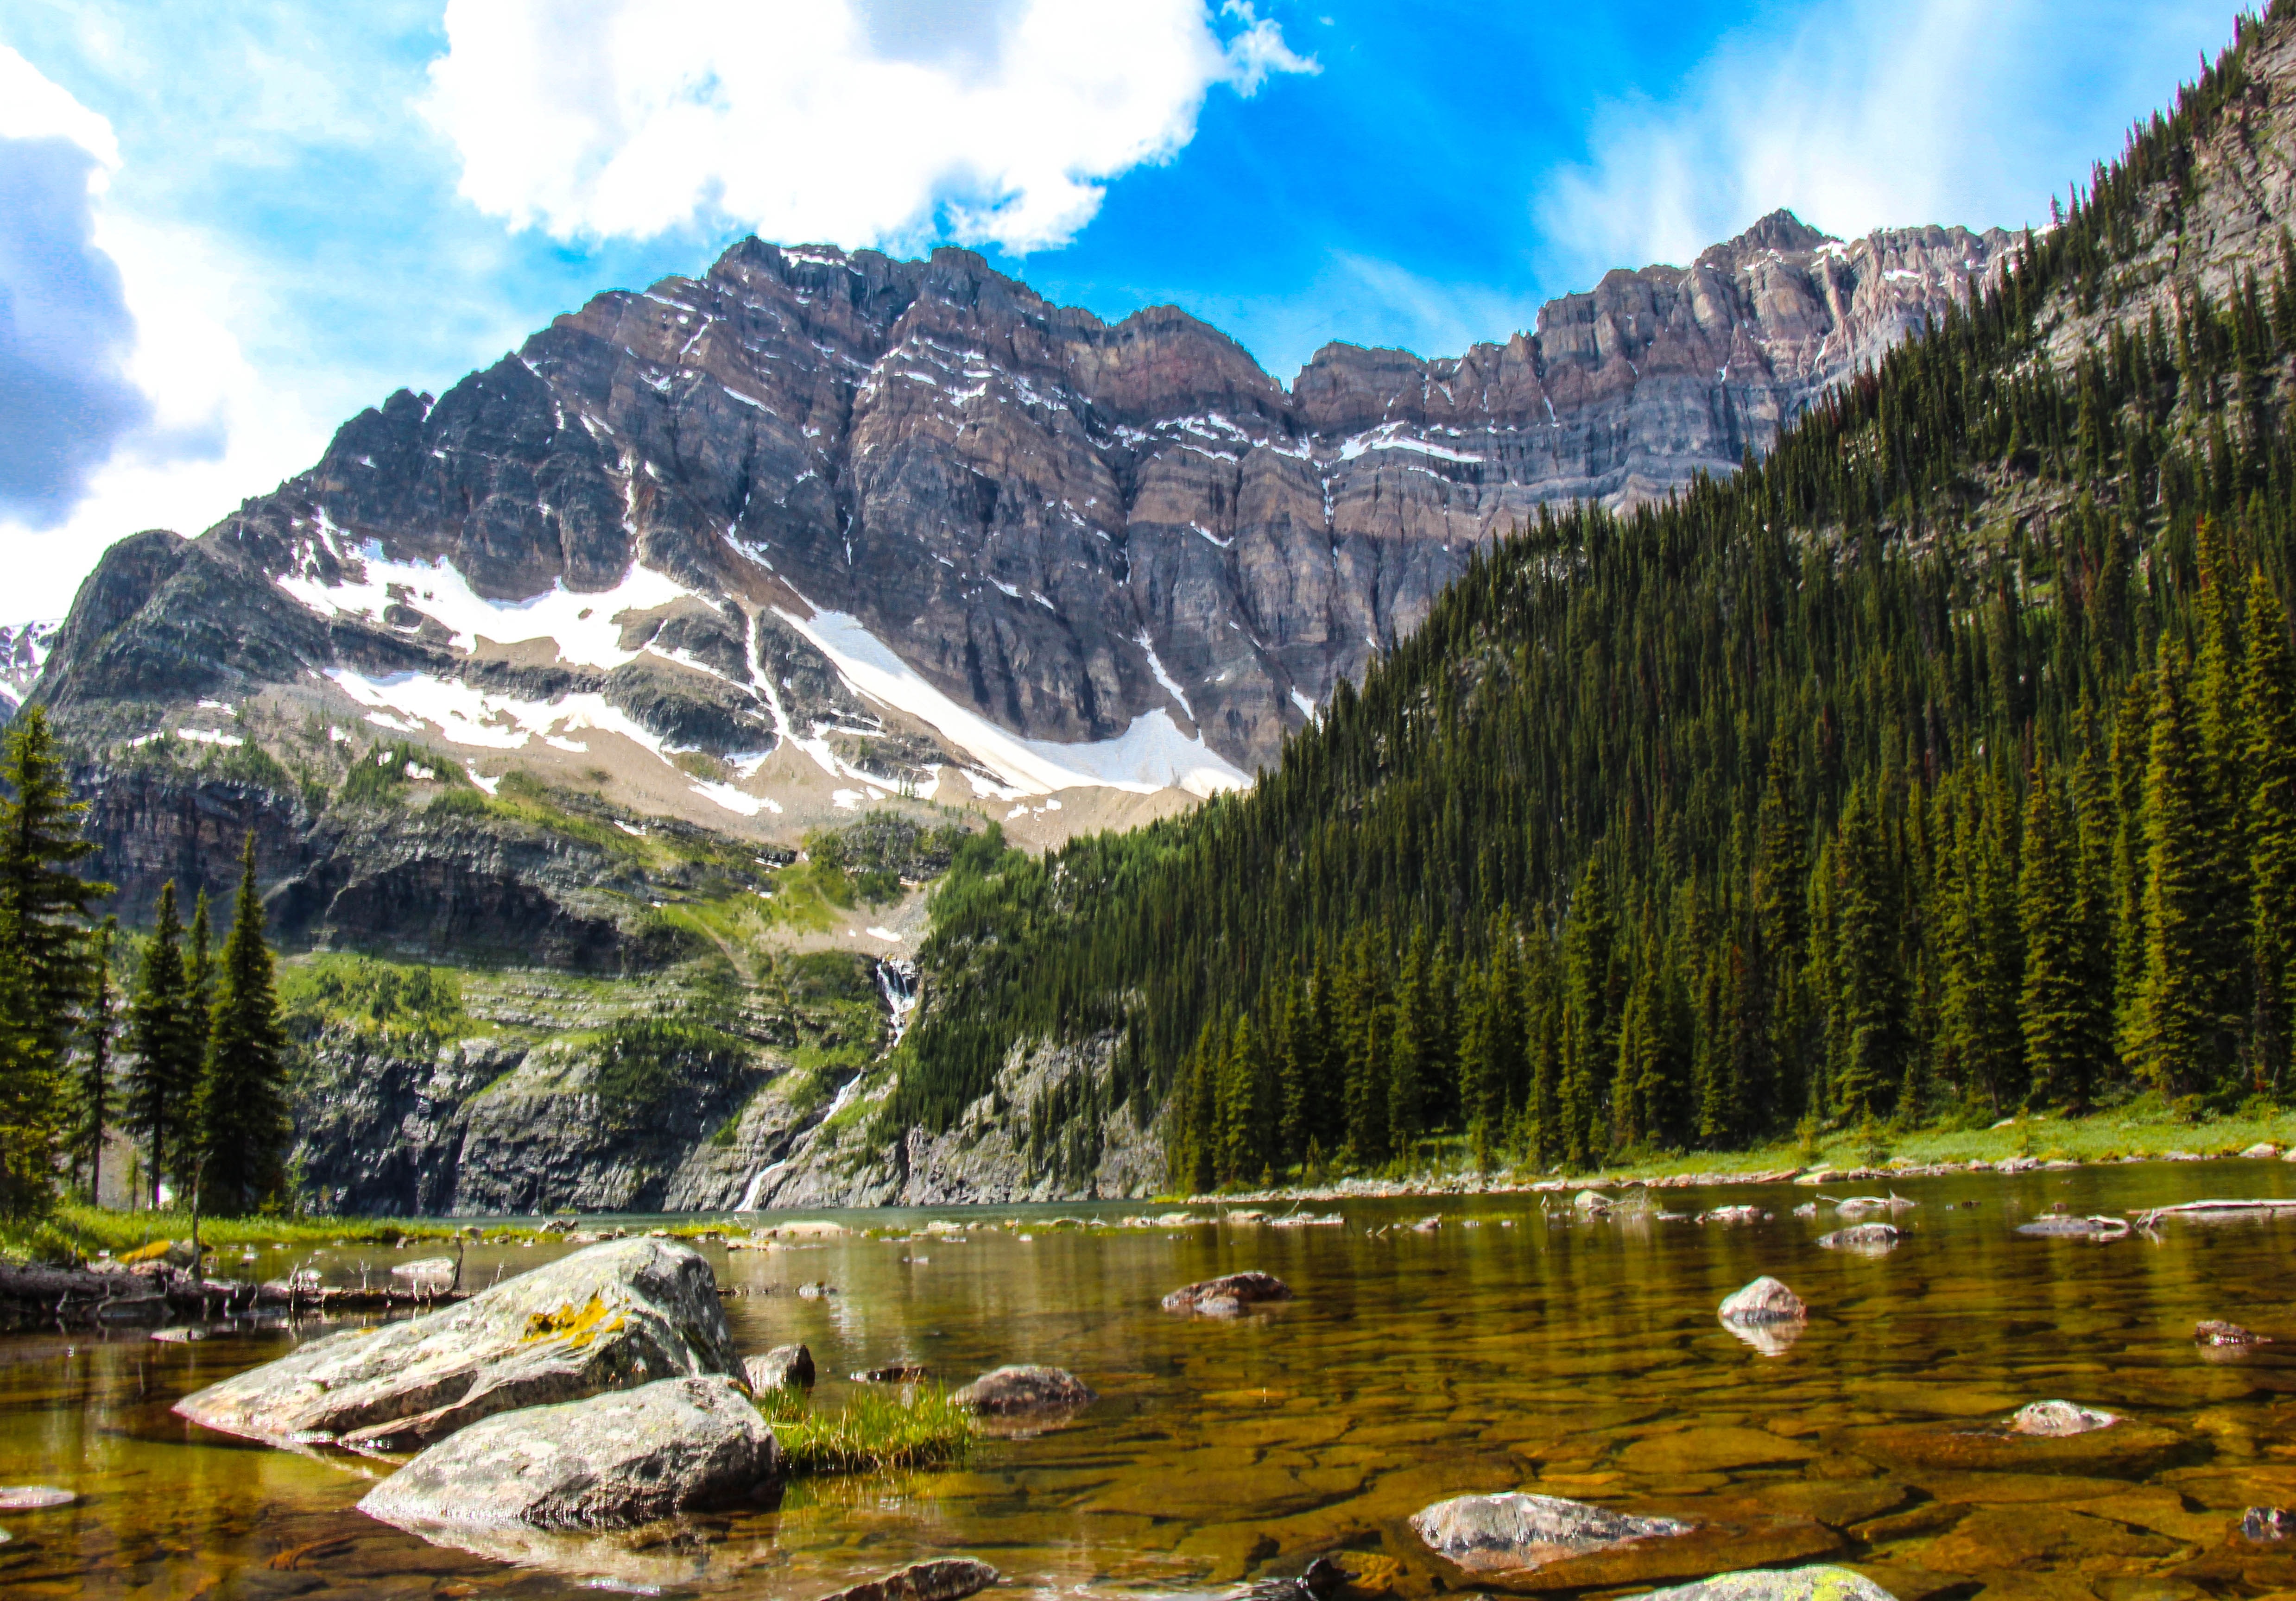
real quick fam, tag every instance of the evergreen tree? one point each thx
(1871, 972)
(92, 1104)
(2054, 1004)
(28, 1095)
(2182, 1038)
(2268, 697)
(168, 1041)
(41, 890)
(243, 1107)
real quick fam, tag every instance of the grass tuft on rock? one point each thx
(878, 1431)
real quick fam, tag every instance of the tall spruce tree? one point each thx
(244, 1128)
(167, 1038)
(94, 1102)
(2054, 1003)
(2268, 696)
(2182, 1038)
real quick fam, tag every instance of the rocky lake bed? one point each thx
(1605, 1391)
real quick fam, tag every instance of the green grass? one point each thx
(75, 1231)
(876, 1432)
(2143, 1126)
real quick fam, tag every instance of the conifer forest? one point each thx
(1940, 765)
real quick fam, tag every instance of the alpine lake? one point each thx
(1518, 1345)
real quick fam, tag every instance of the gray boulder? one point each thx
(947, 1579)
(1026, 1389)
(783, 1368)
(1509, 1532)
(605, 1462)
(1225, 1296)
(1819, 1583)
(1764, 1301)
(609, 1318)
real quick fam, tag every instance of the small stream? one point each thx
(1502, 1350)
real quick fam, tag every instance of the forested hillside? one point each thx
(1942, 763)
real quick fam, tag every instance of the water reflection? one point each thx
(1577, 1355)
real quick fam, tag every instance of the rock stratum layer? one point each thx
(910, 516)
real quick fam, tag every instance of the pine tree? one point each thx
(2182, 1038)
(169, 1043)
(243, 1109)
(28, 1095)
(2051, 1009)
(1872, 972)
(41, 890)
(1590, 1022)
(92, 1103)
(2269, 715)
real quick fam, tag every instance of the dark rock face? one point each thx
(606, 1462)
(1060, 524)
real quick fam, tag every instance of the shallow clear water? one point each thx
(1579, 1358)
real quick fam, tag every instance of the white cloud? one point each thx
(848, 122)
(1866, 113)
(211, 429)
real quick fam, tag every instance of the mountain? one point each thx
(24, 651)
(918, 519)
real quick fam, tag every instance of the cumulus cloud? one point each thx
(851, 121)
(66, 399)
(125, 401)
(1870, 113)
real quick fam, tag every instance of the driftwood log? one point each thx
(38, 1297)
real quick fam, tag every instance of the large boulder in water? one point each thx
(1764, 1301)
(614, 1315)
(1510, 1532)
(943, 1579)
(1820, 1583)
(604, 1462)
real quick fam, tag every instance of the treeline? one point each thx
(1828, 793)
(193, 1062)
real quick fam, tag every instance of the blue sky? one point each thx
(226, 228)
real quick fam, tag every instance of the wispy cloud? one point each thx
(1866, 113)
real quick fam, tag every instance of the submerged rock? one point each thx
(2057, 1419)
(783, 1368)
(1026, 1389)
(893, 1373)
(605, 1462)
(2266, 1525)
(33, 1497)
(1498, 1533)
(1866, 1240)
(947, 1579)
(607, 1317)
(1818, 1583)
(2214, 1333)
(1227, 1297)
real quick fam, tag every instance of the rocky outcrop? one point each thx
(612, 1316)
(605, 1462)
(1061, 524)
(1514, 1532)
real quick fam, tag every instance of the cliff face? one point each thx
(914, 506)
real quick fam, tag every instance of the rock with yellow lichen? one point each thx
(615, 1316)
